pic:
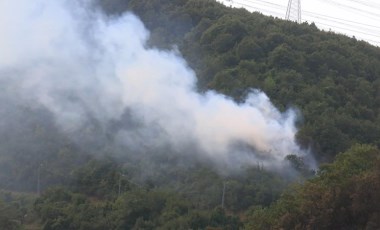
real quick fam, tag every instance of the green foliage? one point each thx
(344, 195)
(191, 201)
(298, 164)
(10, 216)
(332, 79)
(99, 178)
(249, 49)
(61, 209)
(16, 210)
(137, 209)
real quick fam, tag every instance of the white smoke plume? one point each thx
(79, 64)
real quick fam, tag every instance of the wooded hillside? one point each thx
(332, 80)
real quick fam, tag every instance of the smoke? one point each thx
(87, 69)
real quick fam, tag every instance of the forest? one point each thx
(50, 181)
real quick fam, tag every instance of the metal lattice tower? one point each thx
(293, 12)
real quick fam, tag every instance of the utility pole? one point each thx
(39, 180)
(119, 185)
(293, 12)
(121, 175)
(224, 190)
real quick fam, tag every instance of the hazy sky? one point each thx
(359, 18)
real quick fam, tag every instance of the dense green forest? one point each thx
(332, 80)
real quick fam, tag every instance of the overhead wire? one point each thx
(346, 25)
(266, 2)
(339, 19)
(259, 9)
(353, 9)
(282, 7)
(366, 3)
(342, 24)
(349, 30)
(370, 5)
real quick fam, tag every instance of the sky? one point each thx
(359, 18)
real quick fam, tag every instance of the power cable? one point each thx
(348, 29)
(356, 27)
(346, 25)
(330, 17)
(352, 9)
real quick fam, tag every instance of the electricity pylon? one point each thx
(293, 12)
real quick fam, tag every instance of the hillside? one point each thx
(332, 79)
(90, 180)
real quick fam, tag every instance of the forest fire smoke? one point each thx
(83, 67)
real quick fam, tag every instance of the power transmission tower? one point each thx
(293, 12)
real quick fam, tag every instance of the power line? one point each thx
(322, 17)
(346, 25)
(283, 8)
(373, 35)
(352, 9)
(337, 20)
(330, 18)
(369, 7)
(260, 10)
(329, 2)
(358, 28)
(366, 3)
(267, 3)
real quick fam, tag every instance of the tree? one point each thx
(344, 195)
